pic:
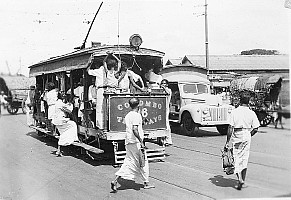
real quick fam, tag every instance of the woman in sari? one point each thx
(66, 127)
(243, 124)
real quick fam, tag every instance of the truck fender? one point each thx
(194, 111)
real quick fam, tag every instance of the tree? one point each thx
(259, 52)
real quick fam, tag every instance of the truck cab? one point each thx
(192, 105)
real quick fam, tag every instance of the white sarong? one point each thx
(241, 150)
(68, 133)
(131, 169)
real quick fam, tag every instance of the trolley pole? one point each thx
(206, 40)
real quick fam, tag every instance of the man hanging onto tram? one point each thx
(105, 79)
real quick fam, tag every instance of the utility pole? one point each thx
(206, 40)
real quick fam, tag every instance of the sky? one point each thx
(35, 30)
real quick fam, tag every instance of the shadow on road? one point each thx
(128, 184)
(285, 195)
(220, 181)
(175, 128)
(76, 152)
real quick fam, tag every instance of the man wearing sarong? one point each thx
(105, 78)
(66, 127)
(133, 166)
(243, 125)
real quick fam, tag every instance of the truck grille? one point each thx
(218, 114)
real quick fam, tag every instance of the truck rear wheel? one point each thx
(188, 126)
(222, 129)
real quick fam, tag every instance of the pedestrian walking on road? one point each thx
(243, 125)
(135, 164)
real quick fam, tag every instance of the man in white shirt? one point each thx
(243, 124)
(101, 83)
(134, 165)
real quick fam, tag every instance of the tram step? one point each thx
(152, 155)
(88, 147)
(41, 130)
(174, 120)
(83, 145)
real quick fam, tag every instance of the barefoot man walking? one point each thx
(133, 166)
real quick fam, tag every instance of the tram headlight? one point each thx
(135, 41)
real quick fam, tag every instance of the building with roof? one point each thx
(223, 68)
(176, 61)
(241, 64)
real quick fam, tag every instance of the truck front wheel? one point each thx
(188, 125)
(222, 129)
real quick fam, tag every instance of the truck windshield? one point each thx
(195, 88)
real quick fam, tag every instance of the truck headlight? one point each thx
(230, 109)
(206, 111)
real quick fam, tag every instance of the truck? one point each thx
(192, 104)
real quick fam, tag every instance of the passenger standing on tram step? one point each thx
(66, 127)
(164, 85)
(92, 96)
(29, 105)
(134, 165)
(101, 83)
(243, 125)
(79, 92)
(51, 96)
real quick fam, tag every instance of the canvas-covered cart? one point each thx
(16, 91)
(264, 91)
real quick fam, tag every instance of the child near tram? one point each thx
(134, 165)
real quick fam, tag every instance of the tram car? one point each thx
(70, 72)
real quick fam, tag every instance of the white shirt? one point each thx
(111, 79)
(124, 82)
(92, 94)
(79, 91)
(60, 116)
(100, 76)
(244, 117)
(133, 118)
(51, 97)
(135, 76)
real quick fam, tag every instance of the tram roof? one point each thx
(79, 59)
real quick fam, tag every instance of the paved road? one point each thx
(192, 169)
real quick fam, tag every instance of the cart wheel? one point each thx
(11, 109)
(188, 126)
(266, 121)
